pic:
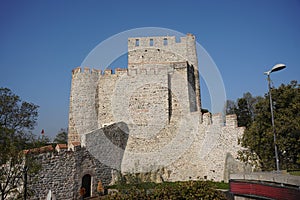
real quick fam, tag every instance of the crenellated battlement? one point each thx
(121, 71)
(206, 118)
(149, 70)
(87, 70)
(217, 119)
(157, 42)
(231, 120)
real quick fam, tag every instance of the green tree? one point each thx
(17, 119)
(258, 137)
(61, 137)
(244, 108)
(243, 113)
(230, 107)
(15, 114)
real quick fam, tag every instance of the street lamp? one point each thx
(276, 67)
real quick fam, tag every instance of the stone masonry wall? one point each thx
(150, 51)
(154, 72)
(82, 112)
(158, 98)
(62, 172)
(108, 144)
(207, 152)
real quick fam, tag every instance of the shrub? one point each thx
(175, 190)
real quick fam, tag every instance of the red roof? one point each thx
(62, 146)
(75, 144)
(43, 149)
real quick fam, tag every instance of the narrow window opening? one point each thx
(137, 42)
(165, 41)
(151, 42)
(170, 97)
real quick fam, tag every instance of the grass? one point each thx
(220, 185)
(295, 173)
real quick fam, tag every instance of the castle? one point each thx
(158, 98)
(146, 119)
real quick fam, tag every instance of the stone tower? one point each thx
(154, 65)
(157, 99)
(159, 53)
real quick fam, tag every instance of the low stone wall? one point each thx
(62, 173)
(274, 177)
(264, 185)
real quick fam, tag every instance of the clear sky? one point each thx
(42, 41)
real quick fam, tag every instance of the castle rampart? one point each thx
(158, 98)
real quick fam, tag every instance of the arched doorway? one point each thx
(86, 183)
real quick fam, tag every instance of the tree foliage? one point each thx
(244, 108)
(15, 114)
(258, 136)
(230, 107)
(61, 137)
(17, 118)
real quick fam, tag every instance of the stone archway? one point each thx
(86, 183)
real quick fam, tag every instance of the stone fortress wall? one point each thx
(92, 90)
(65, 170)
(158, 98)
(62, 173)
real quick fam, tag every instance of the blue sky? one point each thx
(42, 41)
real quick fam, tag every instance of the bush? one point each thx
(175, 190)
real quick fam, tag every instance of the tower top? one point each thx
(158, 41)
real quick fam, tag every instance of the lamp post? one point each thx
(276, 67)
